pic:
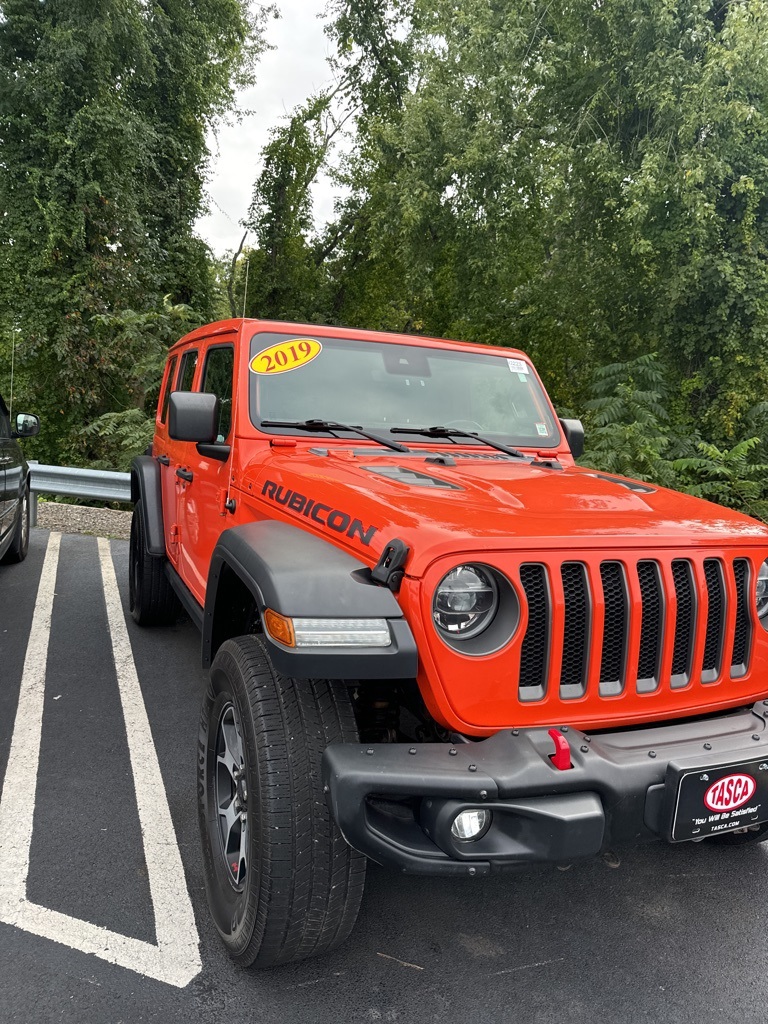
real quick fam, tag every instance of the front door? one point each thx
(201, 508)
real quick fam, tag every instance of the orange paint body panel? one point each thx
(607, 580)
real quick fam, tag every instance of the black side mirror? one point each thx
(574, 435)
(26, 425)
(193, 416)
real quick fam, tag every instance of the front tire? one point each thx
(281, 881)
(17, 552)
(151, 597)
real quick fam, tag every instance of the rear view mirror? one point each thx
(26, 425)
(193, 416)
(574, 435)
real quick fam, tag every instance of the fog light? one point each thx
(470, 824)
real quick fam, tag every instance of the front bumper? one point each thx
(396, 802)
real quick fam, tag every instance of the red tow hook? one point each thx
(561, 758)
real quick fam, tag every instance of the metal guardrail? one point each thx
(98, 484)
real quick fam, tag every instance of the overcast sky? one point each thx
(287, 74)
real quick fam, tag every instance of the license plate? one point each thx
(716, 800)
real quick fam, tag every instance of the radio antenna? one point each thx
(245, 290)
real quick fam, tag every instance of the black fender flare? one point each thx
(299, 575)
(146, 487)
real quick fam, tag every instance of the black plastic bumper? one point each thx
(396, 802)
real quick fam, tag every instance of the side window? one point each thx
(168, 386)
(217, 380)
(187, 372)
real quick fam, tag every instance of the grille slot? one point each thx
(576, 630)
(652, 627)
(685, 622)
(713, 646)
(743, 630)
(534, 655)
(614, 630)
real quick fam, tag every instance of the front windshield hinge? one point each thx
(390, 568)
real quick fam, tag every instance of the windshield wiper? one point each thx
(331, 425)
(451, 432)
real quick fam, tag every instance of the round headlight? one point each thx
(761, 590)
(465, 601)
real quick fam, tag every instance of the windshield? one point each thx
(377, 385)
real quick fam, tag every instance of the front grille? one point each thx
(657, 624)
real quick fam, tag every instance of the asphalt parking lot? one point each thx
(102, 908)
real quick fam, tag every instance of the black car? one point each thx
(14, 484)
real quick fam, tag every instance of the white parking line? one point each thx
(175, 959)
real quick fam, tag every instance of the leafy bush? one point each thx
(630, 431)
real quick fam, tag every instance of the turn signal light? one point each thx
(279, 628)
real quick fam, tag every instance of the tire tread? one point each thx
(311, 881)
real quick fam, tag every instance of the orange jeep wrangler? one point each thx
(433, 639)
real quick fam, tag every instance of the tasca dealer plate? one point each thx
(711, 801)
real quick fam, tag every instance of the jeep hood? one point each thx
(483, 504)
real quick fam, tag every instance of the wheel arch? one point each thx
(275, 565)
(146, 487)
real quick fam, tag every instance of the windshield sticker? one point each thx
(285, 356)
(542, 429)
(518, 366)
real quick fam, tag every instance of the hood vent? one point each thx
(631, 485)
(403, 475)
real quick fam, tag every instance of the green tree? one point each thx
(584, 182)
(103, 114)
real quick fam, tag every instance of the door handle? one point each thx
(185, 474)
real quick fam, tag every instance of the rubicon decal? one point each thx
(730, 792)
(331, 518)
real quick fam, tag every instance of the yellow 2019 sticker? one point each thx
(286, 355)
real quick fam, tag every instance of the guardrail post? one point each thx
(33, 498)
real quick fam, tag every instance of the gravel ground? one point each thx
(99, 522)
